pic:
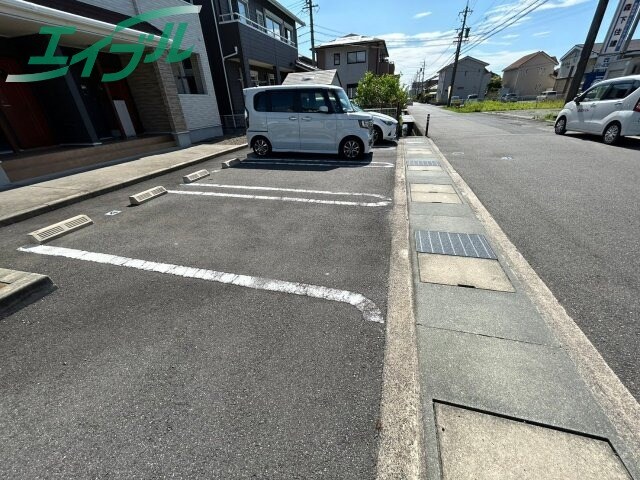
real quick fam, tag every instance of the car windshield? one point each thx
(345, 102)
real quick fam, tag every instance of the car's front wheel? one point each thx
(377, 135)
(561, 126)
(611, 134)
(352, 148)
(261, 146)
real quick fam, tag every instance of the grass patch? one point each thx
(494, 106)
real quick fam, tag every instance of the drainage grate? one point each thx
(59, 229)
(458, 244)
(423, 163)
(195, 176)
(142, 197)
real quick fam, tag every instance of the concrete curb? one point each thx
(401, 448)
(35, 211)
(230, 163)
(22, 287)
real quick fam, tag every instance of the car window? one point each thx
(260, 103)
(312, 100)
(283, 101)
(343, 101)
(618, 91)
(595, 93)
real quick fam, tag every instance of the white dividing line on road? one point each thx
(292, 190)
(283, 199)
(370, 312)
(328, 163)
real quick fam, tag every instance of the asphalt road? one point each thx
(126, 373)
(570, 205)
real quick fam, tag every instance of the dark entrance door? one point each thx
(23, 122)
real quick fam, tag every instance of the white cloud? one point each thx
(542, 34)
(422, 15)
(562, 4)
(510, 36)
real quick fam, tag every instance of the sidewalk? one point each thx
(504, 393)
(28, 201)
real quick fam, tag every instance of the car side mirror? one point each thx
(323, 109)
(577, 99)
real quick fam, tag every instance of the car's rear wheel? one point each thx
(611, 134)
(561, 126)
(377, 135)
(261, 146)
(351, 148)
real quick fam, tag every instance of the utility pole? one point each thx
(310, 6)
(587, 49)
(463, 33)
(424, 65)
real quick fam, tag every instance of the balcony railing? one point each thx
(236, 17)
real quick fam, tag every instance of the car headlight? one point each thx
(366, 123)
(389, 122)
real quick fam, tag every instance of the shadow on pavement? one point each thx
(628, 143)
(301, 162)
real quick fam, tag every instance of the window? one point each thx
(595, 93)
(288, 33)
(260, 18)
(273, 26)
(312, 100)
(618, 91)
(357, 57)
(272, 79)
(336, 59)
(260, 103)
(255, 79)
(352, 88)
(243, 11)
(188, 76)
(283, 101)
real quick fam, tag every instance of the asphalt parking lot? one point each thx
(241, 337)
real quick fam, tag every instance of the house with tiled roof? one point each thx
(472, 78)
(530, 75)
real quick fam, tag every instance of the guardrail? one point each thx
(392, 112)
(236, 17)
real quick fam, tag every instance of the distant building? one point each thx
(530, 75)
(352, 56)
(627, 64)
(316, 77)
(472, 78)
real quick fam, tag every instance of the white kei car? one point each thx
(610, 108)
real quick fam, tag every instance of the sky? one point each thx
(424, 30)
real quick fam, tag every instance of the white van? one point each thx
(306, 118)
(610, 108)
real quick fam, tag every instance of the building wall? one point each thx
(199, 111)
(472, 78)
(532, 78)
(350, 73)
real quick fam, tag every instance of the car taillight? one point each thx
(637, 107)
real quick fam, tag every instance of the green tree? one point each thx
(495, 83)
(381, 91)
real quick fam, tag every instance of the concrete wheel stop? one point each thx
(17, 289)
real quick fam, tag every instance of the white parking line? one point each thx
(293, 190)
(329, 163)
(370, 312)
(283, 199)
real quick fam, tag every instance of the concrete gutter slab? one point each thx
(432, 188)
(481, 312)
(445, 224)
(424, 197)
(424, 169)
(478, 446)
(441, 209)
(463, 271)
(532, 382)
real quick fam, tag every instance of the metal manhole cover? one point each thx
(457, 244)
(423, 163)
